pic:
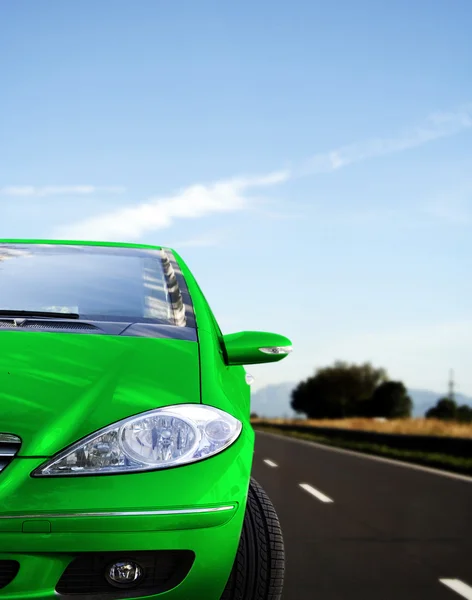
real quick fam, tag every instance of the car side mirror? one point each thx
(255, 347)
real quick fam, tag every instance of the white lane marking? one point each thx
(270, 463)
(311, 490)
(392, 461)
(458, 586)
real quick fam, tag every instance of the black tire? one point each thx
(259, 567)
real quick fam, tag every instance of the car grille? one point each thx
(163, 570)
(8, 571)
(9, 446)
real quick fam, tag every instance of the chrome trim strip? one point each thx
(183, 511)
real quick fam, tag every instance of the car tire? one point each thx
(258, 570)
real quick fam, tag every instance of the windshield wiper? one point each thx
(39, 313)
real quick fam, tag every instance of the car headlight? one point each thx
(156, 439)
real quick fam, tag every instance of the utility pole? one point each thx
(451, 385)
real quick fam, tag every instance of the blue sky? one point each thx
(311, 161)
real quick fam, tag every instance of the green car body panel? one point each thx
(57, 388)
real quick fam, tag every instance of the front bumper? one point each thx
(46, 523)
(44, 557)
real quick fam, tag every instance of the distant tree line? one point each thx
(447, 409)
(349, 390)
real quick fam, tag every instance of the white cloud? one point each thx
(230, 195)
(437, 125)
(193, 202)
(58, 190)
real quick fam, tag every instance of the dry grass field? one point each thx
(407, 426)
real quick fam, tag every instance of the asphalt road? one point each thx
(366, 529)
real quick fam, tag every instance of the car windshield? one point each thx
(93, 282)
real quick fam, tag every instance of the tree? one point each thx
(464, 414)
(342, 390)
(445, 409)
(254, 415)
(390, 399)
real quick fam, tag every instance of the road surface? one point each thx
(360, 528)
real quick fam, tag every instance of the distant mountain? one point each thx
(424, 399)
(274, 400)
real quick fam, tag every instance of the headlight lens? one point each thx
(165, 437)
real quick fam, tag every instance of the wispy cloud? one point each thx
(437, 125)
(231, 195)
(193, 202)
(203, 241)
(58, 190)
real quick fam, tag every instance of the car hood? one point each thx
(56, 388)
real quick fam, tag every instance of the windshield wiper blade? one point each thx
(38, 313)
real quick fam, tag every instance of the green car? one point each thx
(125, 441)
